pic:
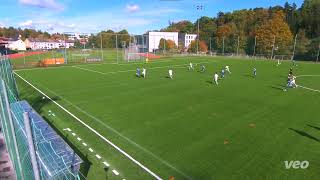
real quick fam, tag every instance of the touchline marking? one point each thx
(94, 131)
(315, 90)
(133, 70)
(304, 87)
(90, 70)
(122, 136)
(307, 76)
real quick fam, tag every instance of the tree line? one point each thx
(267, 29)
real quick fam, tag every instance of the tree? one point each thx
(277, 28)
(310, 14)
(167, 45)
(302, 43)
(202, 47)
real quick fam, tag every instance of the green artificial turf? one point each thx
(188, 128)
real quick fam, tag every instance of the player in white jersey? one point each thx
(228, 69)
(170, 73)
(215, 78)
(191, 66)
(144, 72)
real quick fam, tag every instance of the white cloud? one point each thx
(132, 8)
(48, 4)
(27, 23)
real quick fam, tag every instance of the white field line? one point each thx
(315, 90)
(122, 136)
(311, 89)
(308, 76)
(133, 70)
(94, 131)
(90, 70)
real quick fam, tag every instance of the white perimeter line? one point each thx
(119, 134)
(89, 70)
(94, 131)
(133, 70)
(315, 90)
(308, 76)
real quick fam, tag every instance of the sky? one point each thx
(137, 16)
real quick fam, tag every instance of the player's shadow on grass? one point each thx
(279, 87)
(302, 133)
(314, 127)
(248, 75)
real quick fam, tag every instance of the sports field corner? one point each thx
(185, 127)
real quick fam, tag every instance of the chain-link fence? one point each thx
(106, 47)
(41, 153)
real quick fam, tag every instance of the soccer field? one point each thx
(186, 127)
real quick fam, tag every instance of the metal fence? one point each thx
(119, 48)
(37, 152)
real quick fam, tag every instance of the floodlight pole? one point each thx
(199, 7)
(294, 47)
(318, 53)
(274, 41)
(198, 36)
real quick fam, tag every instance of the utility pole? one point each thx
(274, 41)
(294, 47)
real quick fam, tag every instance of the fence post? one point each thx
(32, 151)
(117, 48)
(254, 48)
(12, 127)
(318, 53)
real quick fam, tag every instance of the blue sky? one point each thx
(137, 16)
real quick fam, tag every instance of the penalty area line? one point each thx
(94, 131)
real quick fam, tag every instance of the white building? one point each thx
(47, 44)
(186, 39)
(18, 45)
(154, 39)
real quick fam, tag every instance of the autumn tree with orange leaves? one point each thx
(274, 28)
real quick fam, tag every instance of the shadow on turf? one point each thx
(314, 127)
(302, 133)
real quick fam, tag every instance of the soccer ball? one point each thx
(43, 98)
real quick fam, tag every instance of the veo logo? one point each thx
(296, 164)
